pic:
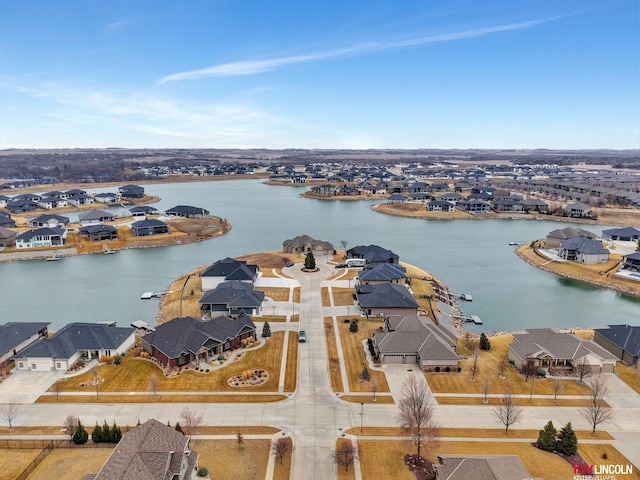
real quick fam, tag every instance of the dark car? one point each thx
(341, 265)
(289, 264)
(302, 336)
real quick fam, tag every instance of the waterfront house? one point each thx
(583, 250)
(556, 237)
(189, 340)
(550, 348)
(623, 341)
(415, 340)
(131, 191)
(148, 227)
(474, 206)
(99, 233)
(303, 244)
(578, 210)
(228, 269)
(49, 221)
(75, 342)
(16, 336)
(42, 237)
(506, 205)
(440, 206)
(143, 211)
(326, 190)
(386, 299)
(396, 198)
(75, 192)
(534, 205)
(77, 200)
(373, 254)
(481, 467)
(107, 197)
(631, 262)
(625, 234)
(151, 451)
(382, 273)
(7, 237)
(187, 211)
(94, 217)
(232, 297)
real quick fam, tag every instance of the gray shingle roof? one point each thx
(14, 333)
(233, 293)
(621, 232)
(481, 467)
(45, 232)
(301, 240)
(373, 254)
(227, 266)
(386, 295)
(584, 245)
(382, 272)
(95, 215)
(626, 337)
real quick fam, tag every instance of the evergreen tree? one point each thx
(567, 440)
(106, 432)
(81, 436)
(310, 261)
(138, 424)
(116, 433)
(266, 330)
(547, 438)
(485, 344)
(179, 428)
(353, 326)
(365, 375)
(97, 435)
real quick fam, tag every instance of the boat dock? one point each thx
(150, 295)
(472, 318)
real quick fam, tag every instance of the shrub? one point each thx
(97, 435)
(547, 438)
(106, 359)
(605, 456)
(81, 436)
(144, 355)
(353, 326)
(203, 472)
(437, 369)
(117, 360)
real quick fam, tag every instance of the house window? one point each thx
(58, 365)
(21, 364)
(33, 366)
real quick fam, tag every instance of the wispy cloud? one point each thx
(250, 67)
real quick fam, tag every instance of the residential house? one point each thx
(534, 205)
(386, 299)
(419, 197)
(187, 211)
(107, 197)
(93, 217)
(189, 340)
(326, 190)
(578, 210)
(418, 187)
(631, 262)
(6, 221)
(624, 234)
(148, 227)
(506, 205)
(7, 237)
(143, 211)
(232, 297)
(411, 339)
(382, 273)
(75, 342)
(42, 237)
(440, 206)
(228, 269)
(373, 254)
(99, 233)
(348, 191)
(583, 250)
(131, 191)
(474, 206)
(438, 187)
(75, 192)
(623, 341)
(556, 237)
(451, 197)
(550, 348)
(481, 467)
(16, 336)
(19, 206)
(4, 200)
(49, 203)
(151, 451)
(49, 221)
(396, 198)
(77, 200)
(303, 244)
(462, 186)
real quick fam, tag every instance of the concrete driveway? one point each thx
(26, 387)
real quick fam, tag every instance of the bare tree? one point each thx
(345, 454)
(374, 388)
(502, 367)
(417, 409)
(57, 388)
(190, 420)
(71, 425)
(598, 410)
(508, 412)
(281, 447)
(475, 367)
(469, 340)
(583, 368)
(557, 388)
(9, 411)
(486, 386)
(240, 440)
(153, 384)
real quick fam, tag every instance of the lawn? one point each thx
(324, 293)
(71, 463)
(342, 297)
(124, 398)
(133, 374)
(354, 356)
(488, 365)
(345, 474)
(225, 460)
(334, 356)
(472, 433)
(524, 402)
(629, 375)
(277, 294)
(592, 455)
(291, 372)
(386, 399)
(14, 461)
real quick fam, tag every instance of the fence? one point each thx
(36, 461)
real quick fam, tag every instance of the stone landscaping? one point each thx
(249, 378)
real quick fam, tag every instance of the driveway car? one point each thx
(302, 336)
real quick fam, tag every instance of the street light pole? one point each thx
(361, 415)
(95, 380)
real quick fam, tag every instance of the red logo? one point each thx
(582, 469)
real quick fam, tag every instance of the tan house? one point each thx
(303, 244)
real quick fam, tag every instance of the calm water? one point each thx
(470, 256)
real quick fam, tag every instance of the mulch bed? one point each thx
(420, 467)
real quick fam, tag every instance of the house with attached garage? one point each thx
(49, 221)
(623, 341)
(624, 234)
(6, 221)
(52, 202)
(78, 200)
(583, 250)
(187, 211)
(107, 197)
(481, 467)
(131, 191)
(412, 339)
(42, 237)
(550, 348)
(303, 244)
(382, 273)
(151, 451)
(99, 233)
(386, 299)
(232, 297)
(148, 227)
(228, 269)
(143, 211)
(19, 206)
(75, 342)
(16, 336)
(373, 254)
(534, 205)
(440, 206)
(7, 237)
(189, 340)
(93, 217)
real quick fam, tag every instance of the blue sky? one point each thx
(355, 74)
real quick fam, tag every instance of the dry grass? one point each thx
(472, 433)
(592, 455)
(525, 402)
(629, 375)
(382, 460)
(134, 373)
(277, 294)
(334, 356)
(386, 399)
(488, 363)
(14, 461)
(226, 461)
(354, 357)
(282, 471)
(124, 398)
(71, 463)
(344, 474)
(291, 372)
(419, 210)
(324, 294)
(343, 297)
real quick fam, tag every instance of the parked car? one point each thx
(289, 264)
(341, 265)
(302, 336)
